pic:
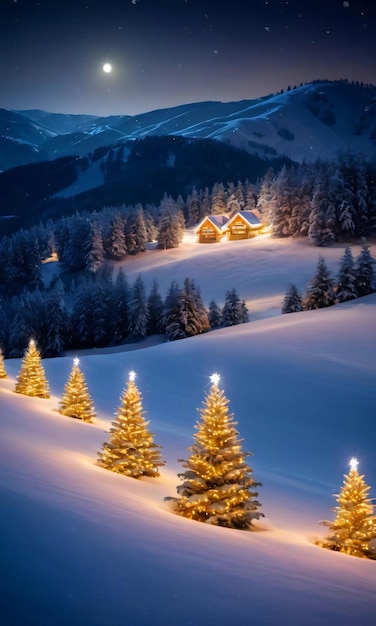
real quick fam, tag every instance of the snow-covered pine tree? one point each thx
(138, 313)
(218, 487)
(193, 208)
(322, 222)
(93, 246)
(293, 302)
(234, 310)
(170, 228)
(120, 303)
(31, 379)
(214, 315)
(76, 401)
(115, 243)
(155, 308)
(365, 275)
(346, 288)
(320, 292)
(355, 524)
(130, 449)
(218, 198)
(57, 322)
(3, 372)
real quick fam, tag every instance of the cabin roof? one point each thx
(218, 221)
(248, 216)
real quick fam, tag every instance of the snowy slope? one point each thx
(81, 545)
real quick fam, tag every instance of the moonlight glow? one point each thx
(107, 68)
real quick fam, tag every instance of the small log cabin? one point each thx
(210, 229)
(239, 225)
(243, 225)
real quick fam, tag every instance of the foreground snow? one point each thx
(81, 545)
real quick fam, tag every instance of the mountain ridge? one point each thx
(314, 120)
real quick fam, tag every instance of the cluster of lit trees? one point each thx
(356, 278)
(217, 486)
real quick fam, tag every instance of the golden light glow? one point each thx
(132, 376)
(354, 464)
(31, 342)
(215, 378)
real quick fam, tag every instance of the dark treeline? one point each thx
(100, 309)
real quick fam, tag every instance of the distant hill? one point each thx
(314, 120)
(139, 171)
(55, 164)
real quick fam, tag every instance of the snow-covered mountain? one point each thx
(318, 119)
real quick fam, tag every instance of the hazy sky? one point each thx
(169, 52)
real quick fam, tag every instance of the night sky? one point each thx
(169, 52)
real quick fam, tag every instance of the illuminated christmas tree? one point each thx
(31, 379)
(355, 525)
(218, 487)
(3, 373)
(76, 400)
(130, 449)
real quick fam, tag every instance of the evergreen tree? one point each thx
(322, 220)
(170, 226)
(214, 315)
(234, 310)
(365, 279)
(31, 379)
(115, 243)
(155, 308)
(355, 524)
(3, 373)
(346, 288)
(130, 449)
(218, 198)
(320, 291)
(218, 487)
(58, 323)
(138, 314)
(120, 307)
(76, 401)
(292, 302)
(171, 312)
(93, 246)
(193, 208)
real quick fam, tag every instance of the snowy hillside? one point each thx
(315, 120)
(81, 545)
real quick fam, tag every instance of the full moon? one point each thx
(107, 68)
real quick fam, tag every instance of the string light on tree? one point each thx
(218, 487)
(355, 524)
(31, 379)
(130, 449)
(76, 401)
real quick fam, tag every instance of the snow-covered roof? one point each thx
(248, 216)
(218, 221)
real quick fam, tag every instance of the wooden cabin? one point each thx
(243, 225)
(211, 228)
(236, 225)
